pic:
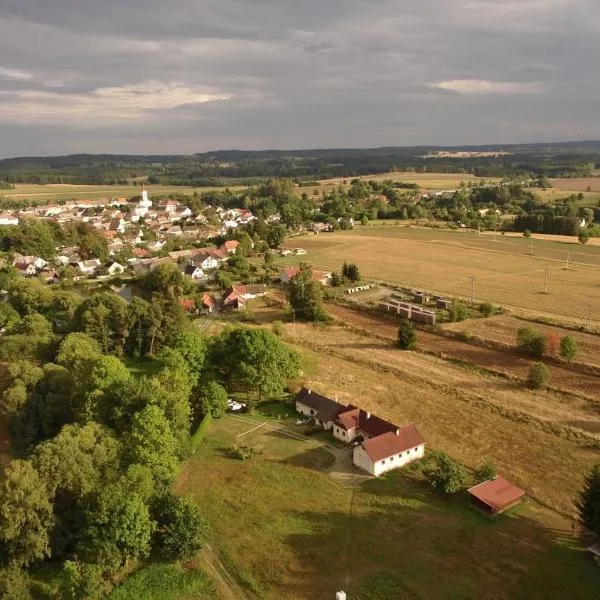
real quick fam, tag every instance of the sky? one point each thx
(184, 76)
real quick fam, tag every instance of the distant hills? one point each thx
(560, 159)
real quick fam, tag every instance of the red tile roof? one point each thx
(367, 423)
(207, 301)
(188, 305)
(230, 245)
(393, 442)
(497, 493)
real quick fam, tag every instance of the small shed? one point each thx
(496, 495)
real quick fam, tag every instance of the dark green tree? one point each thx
(26, 517)
(182, 530)
(538, 376)
(305, 296)
(588, 503)
(407, 338)
(485, 472)
(447, 476)
(568, 347)
(531, 342)
(14, 584)
(210, 397)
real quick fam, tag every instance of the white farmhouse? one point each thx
(206, 261)
(7, 218)
(115, 269)
(389, 451)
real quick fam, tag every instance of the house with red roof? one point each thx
(390, 450)
(496, 495)
(288, 273)
(230, 246)
(357, 423)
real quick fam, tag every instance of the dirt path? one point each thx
(227, 587)
(495, 360)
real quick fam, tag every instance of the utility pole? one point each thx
(568, 258)
(546, 281)
(590, 319)
(531, 243)
(472, 290)
(294, 322)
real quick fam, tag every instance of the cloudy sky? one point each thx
(182, 76)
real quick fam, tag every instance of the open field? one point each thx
(551, 194)
(57, 192)
(488, 358)
(545, 441)
(456, 263)
(579, 184)
(548, 237)
(503, 329)
(287, 529)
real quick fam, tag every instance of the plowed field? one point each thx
(488, 358)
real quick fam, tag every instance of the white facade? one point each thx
(341, 434)
(208, 263)
(115, 269)
(8, 220)
(363, 461)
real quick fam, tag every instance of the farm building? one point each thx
(290, 272)
(389, 451)
(324, 410)
(357, 422)
(496, 495)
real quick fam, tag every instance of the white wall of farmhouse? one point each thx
(362, 460)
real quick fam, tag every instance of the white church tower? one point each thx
(143, 206)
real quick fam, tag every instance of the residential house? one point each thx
(115, 269)
(7, 218)
(188, 305)
(288, 273)
(89, 267)
(322, 409)
(194, 272)
(389, 450)
(37, 262)
(249, 292)
(233, 300)
(205, 261)
(357, 423)
(26, 269)
(169, 206)
(175, 230)
(49, 276)
(229, 246)
(208, 303)
(117, 224)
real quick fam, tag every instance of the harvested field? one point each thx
(542, 440)
(488, 358)
(503, 329)
(459, 263)
(579, 184)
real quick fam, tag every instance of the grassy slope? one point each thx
(290, 531)
(164, 582)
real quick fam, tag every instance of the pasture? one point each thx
(499, 269)
(287, 529)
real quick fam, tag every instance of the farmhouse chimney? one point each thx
(309, 391)
(368, 415)
(340, 596)
(397, 432)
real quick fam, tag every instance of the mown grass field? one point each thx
(443, 261)
(286, 529)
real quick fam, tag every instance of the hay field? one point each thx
(428, 181)
(445, 262)
(56, 192)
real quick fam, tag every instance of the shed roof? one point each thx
(326, 409)
(497, 493)
(365, 422)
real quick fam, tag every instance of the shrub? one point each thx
(531, 342)
(447, 476)
(277, 328)
(407, 339)
(538, 376)
(568, 347)
(487, 309)
(527, 233)
(485, 472)
(458, 312)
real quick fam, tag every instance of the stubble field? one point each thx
(497, 269)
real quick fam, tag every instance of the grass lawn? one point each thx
(286, 529)
(142, 366)
(159, 581)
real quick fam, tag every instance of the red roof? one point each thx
(207, 301)
(293, 271)
(230, 245)
(393, 442)
(188, 305)
(366, 422)
(497, 493)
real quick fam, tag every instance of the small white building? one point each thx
(205, 261)
(8, 219)
(389, 451)
(115, 268)
(196, 273)
(89, 267)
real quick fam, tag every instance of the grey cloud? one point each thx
(284, 73)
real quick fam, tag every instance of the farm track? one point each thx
(488, 358)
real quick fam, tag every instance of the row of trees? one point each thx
(535, 344)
